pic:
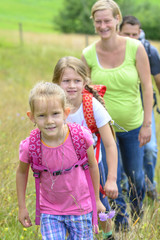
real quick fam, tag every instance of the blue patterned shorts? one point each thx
(55, 227)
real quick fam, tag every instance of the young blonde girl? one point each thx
(65, 205)
(71, 74)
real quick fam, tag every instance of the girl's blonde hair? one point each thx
(105, 5)
(70, 62)
(44, 90)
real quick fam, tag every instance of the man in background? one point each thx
(131, 27)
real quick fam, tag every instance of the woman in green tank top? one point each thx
(122, 64)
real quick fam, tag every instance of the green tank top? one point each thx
(122, 98)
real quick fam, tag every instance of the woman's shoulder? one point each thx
(133, 42)
(89, 48)
(132, 47)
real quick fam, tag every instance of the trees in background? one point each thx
(148, 14)
(74, 16)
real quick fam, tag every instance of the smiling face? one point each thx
(105, 24)
(73, 84)
(49, 116)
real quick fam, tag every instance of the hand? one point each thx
(111, 189)
(144, 135)
(100, 206)
(24, 218)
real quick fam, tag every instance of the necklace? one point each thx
(50, 174)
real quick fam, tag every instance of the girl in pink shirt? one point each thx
(65, 202)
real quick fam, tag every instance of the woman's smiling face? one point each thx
(104, 22)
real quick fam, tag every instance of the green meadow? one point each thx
(24, 62)
(34, 15)
(21, 66)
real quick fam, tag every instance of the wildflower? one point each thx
(111, 214)
(24, 229)
(104, 216)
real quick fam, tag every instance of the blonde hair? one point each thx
(70, 62)
(44, 90)
(105, 5)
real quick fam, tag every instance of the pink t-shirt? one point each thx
(66, 194)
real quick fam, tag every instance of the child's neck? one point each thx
(55, 142)
(75, 105)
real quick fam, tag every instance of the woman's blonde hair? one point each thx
(105, 5)
(44, 90)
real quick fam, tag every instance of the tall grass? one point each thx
(20, 68)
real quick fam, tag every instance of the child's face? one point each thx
(49, 116)
(73, 84)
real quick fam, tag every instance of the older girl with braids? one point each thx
(71, 74)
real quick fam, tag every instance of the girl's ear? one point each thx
(66, 112)
(31, 117)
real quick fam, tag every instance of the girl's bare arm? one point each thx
(21, 184)
(112, 161)
(94, 171)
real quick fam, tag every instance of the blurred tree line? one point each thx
(74, 16)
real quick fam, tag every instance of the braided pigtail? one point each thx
(90, 89)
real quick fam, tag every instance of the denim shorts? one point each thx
(55, 227)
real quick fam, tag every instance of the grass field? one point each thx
(21, 66)
(35, 15)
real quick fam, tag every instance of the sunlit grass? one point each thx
(20, 68)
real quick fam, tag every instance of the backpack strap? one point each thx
(88, 113)
(36, 161)
(89, 117)
(79, 144)
(147, 47)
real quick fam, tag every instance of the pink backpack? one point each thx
(77, 134)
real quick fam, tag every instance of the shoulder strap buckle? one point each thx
(85, 166)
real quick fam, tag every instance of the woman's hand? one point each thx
(111, 189)
(144, 135)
